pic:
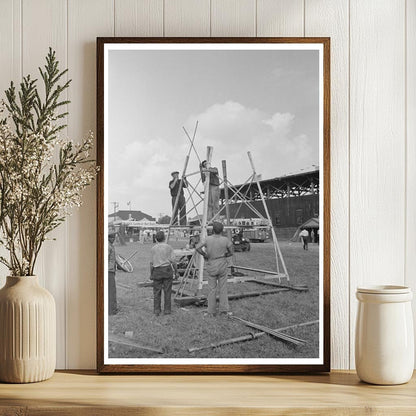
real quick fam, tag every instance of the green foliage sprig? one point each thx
(41, 175)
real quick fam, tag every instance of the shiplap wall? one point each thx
(373, 132)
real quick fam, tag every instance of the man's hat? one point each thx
(175, 172)
(111, 233)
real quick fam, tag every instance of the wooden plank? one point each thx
(411, 150)
(331, 18)
(270, 331)
(247, 337)
(377, 147)
(256, 270)
(233, 18)
(10, 66)
(86, 393)
(86, 20)
(189, 300)
(269, 283)
(138, 18)
(44, 25)
(187, 18)
(280, 17)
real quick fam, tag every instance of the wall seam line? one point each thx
(21, 40)
(67, 230)
(210, 18)
(405, 143)
(304, 18)
(349, 185)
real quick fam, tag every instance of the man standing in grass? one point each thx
(304, 236)
(215, 249)
(162, 268)
(112, 267)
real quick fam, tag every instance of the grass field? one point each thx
(186, 327)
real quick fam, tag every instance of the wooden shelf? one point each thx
(85, 392)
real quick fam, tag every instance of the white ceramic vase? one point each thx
(384, 341)
(27, 331)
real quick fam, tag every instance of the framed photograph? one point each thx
(213, 205)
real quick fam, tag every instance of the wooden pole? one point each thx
(203, 235)
(192, 140)
(244, 200)
(247, 337)
(278, 253)
(272, 332)
(227, 207)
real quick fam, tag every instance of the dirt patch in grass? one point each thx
(186, 327)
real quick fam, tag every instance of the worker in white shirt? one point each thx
(304, 236)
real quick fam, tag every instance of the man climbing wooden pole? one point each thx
(203, 234)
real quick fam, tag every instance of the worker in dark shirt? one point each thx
(176, 188)
(214, 188)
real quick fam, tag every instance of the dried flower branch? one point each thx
(41, 176)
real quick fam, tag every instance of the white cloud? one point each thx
(140, 171)
(233, 129)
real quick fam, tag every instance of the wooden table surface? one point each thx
(85, 393)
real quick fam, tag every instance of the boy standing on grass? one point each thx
(217, 249)
(162, 268)
(304, 236)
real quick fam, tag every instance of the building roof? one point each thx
(296, 184)
(311, 223)
(134, 215)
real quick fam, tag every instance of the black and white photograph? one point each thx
(213, 230)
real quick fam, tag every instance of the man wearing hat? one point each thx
(112, 293)
(214, 188)
(176, 188)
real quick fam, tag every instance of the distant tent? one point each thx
(311, 224)
(126, 215)
(197, 220)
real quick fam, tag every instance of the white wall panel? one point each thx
(411, 149)
(233, 18)
(330, 18)
(10, 43)
(280, 18)
(187, 18)
(87, 19)
(138, 18)
(45, 24)
(373, 131)
(10, 64)
(377, 168)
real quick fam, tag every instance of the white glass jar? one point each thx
(384, 338)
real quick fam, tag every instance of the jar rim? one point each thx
(384, 289)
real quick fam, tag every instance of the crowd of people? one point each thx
(163, 268)
(215, 249)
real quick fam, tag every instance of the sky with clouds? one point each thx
(263, 101)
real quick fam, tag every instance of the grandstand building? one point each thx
(292, 201)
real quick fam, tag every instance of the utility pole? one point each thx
(115, 206)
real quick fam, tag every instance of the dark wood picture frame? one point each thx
(102, 367)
